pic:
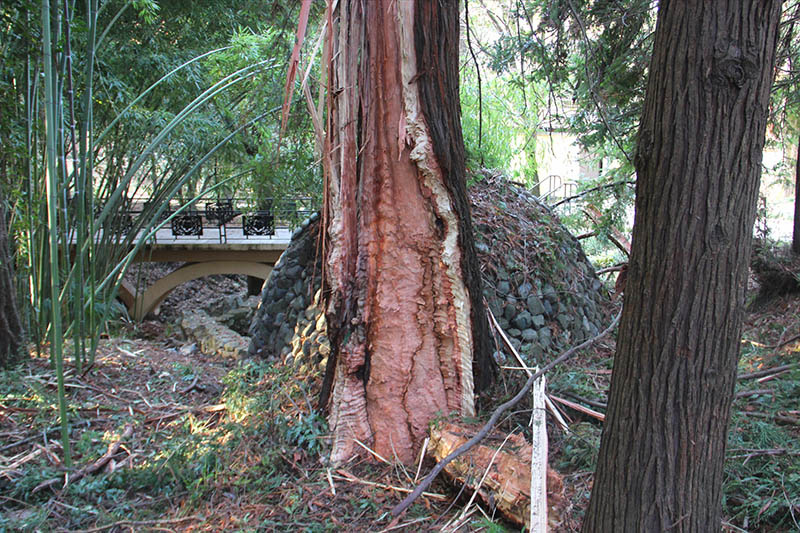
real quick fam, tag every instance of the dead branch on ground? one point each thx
(402, 506)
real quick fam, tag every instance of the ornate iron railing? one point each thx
(226, 215)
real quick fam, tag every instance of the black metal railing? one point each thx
(221, 214)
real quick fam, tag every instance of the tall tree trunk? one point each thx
(698, 162)
(11, 332)
(405, 311)
(796, 224)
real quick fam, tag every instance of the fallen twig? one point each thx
(347, 476)
(766, 371)
(402, 506)
(26, 440)
(578, 407)
(135, 523)
(192, 386)
(20, 461)
(748, 453)
(113, 448)
(776, 417)
(404, 524)
(561, 422)
(205, 409)
(747, 393)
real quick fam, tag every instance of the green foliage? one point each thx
(761, 487)
(489, 526)
(308, 431)
(189, 458)
(593, 55)
(509, 125)
(579, 448)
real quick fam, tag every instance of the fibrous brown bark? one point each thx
(698, 163)
(11, 332)
(796, 222)
(404, 313)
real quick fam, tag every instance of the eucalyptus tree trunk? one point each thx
(698, 162)
(405, 312)
(11, 331)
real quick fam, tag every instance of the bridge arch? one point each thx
(139, 304)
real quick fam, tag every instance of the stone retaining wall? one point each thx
(537, 282)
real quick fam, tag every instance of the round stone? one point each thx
(534, 305)
(503, 288)
(298, 303)
(524, 290)
(523, 320)
(549, 292)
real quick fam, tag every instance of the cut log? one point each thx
(506, 486)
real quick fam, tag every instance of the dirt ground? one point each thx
(165, 438)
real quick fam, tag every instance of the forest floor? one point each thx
(165, 438)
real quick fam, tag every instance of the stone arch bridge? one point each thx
(254, 260)
(220, 239)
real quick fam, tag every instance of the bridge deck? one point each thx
(232, 238)
(234, 246)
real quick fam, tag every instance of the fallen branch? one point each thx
(581, 409)
(755, 452)
(113, 448)
(525, 367)
(402, 506)
(192, 386)
(758, 392)
(142, 523)
(782, 343)
(347, 476)
(766, 371)
(538, 479)
(614, 235)
(777, 418)
(587, 401)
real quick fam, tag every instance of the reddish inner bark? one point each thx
(395, 308)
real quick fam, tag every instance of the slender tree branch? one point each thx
(593, 189)
(600, 108)
(480, 91)
(406, 503)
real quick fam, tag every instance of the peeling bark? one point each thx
(400, 315)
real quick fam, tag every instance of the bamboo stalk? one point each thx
(56, 345)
